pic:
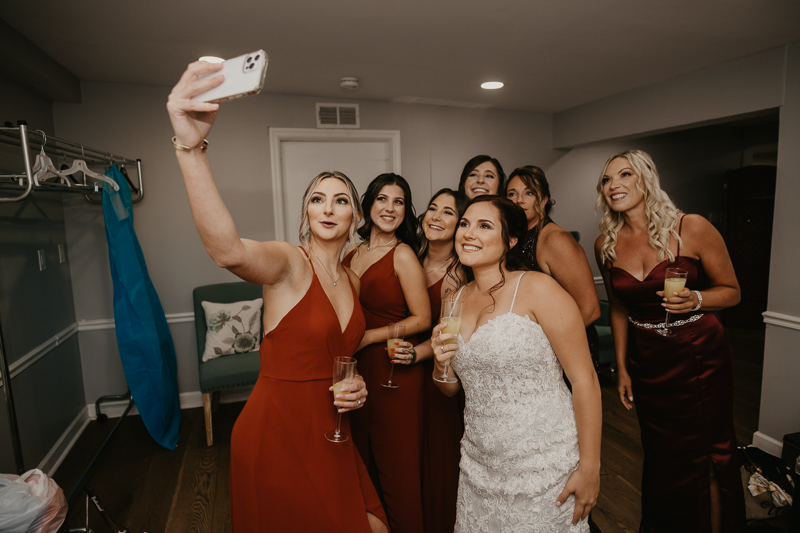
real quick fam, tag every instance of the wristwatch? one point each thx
(699, 301)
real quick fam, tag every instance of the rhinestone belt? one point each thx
(660, 325)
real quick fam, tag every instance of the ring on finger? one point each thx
(358, 402)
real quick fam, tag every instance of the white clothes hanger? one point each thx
(79, 165)
(44, 169)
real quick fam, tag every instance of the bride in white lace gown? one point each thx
(530, 456)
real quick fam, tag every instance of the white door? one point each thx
(302, 154)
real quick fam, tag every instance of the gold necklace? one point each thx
(335, 281)
(437, 268)
(380, 245)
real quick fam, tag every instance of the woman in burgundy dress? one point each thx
(388, 432)
(482, 175)
(549, 248)
(682, 385)
(285, 476)
(443, 416)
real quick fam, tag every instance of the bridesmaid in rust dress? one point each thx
(443, 416)
(388, 432)
(285, 476)
(682, 385)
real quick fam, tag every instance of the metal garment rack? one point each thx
(29, 140)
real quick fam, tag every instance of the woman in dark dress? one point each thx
(285, 476)
(549, 248)
(482, 175)
(682, 385)
(443, 416)
(388, 432)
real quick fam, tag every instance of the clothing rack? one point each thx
(37, 140)
(29, 140)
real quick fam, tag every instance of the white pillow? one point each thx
(232, 328)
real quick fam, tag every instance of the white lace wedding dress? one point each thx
(520, 443)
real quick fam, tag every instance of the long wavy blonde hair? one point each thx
(661, 213)
(355, 205)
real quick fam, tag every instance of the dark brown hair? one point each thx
(474, 163)
(407, 231)
(534, 179)
(513, 224)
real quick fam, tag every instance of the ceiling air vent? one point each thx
(337, 116)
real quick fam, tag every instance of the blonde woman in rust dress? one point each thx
(285, 476)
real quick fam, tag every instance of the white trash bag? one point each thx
(31, 503)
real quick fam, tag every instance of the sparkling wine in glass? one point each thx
(674, 281)
(397, 332)
(451, 316)
(344, 372)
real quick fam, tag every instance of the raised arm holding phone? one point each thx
(282, 468)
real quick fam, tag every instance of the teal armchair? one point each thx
(228, 371)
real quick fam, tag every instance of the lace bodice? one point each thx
(520, 441)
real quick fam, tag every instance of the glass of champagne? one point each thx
(344, 373)
(396, 334)
(451, 316)
(674, 281)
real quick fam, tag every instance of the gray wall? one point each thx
(780, 401)
(748, 84)
(34, 305)
(132, 120)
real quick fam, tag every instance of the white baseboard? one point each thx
(64, 444)
(189, 400)
(767, 443)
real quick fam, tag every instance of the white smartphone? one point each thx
(244, 76)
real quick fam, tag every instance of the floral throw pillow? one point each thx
(232, 328)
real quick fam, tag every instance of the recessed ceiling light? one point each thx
(492, 85)
(212, 59)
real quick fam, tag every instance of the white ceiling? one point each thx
(552, 55)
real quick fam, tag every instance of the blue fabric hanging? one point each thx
(143, 337)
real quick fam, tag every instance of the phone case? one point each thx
(244, 75)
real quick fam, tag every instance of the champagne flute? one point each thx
(344, 372)
(451, 316)
(396, 334)
(674, 281)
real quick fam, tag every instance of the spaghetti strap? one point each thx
(458, 295)
(515, 292)
(680, 226)
(310, 262)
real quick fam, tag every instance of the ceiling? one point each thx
(552, 55)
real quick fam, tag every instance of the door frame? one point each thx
(279, 135)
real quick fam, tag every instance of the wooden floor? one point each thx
(149, 489)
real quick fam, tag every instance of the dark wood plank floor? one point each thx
(149, 489)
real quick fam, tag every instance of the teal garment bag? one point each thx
(143, 337)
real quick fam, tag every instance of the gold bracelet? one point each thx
(203, 147)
